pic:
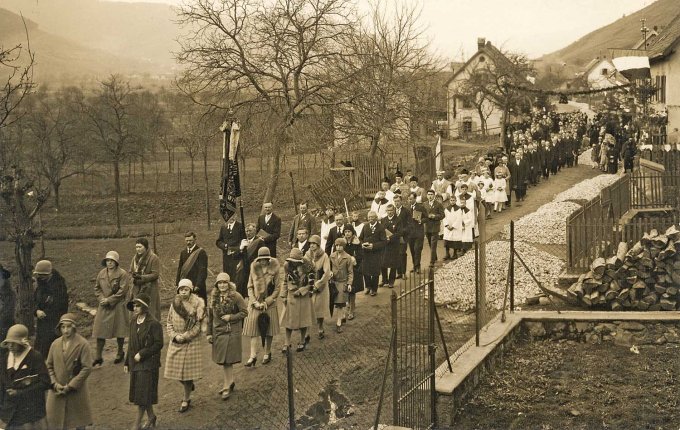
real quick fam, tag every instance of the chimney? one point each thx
(481, 42)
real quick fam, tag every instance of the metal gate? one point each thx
(413, 353)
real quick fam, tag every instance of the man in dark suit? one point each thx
(302, 242)
(303, 219)
(335, 232)
(247, 254)
(433, 215)
(193, 265)
(270, 223)
(394, 227)
(520, 174)
(404, 216)
(373, 241)
(228, 242)
(416, 232)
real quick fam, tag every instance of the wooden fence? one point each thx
(669, 159)
(618, 214)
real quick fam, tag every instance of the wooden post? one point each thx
(482, 261)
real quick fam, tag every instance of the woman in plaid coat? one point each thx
(185, 319)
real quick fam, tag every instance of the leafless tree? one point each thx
(392, 60)
(111, 125)
(278, 56)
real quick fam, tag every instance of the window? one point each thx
(467, 126)
(466, 103)
(660, 83)
(482, 59)
(605, 71)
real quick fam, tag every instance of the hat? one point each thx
(142, 298)
(43, 267)
(68, 317)
(185, 283)
(18, 334)
(398, 174)
(348, 227)
(4, 273)
(414, 178)
(315, 239)
(111, 255)
(143, 241)
(222, 277)
(340, 241)
(441, 172)
(295, 255)
(264, 252)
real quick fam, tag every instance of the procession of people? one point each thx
(334, 256)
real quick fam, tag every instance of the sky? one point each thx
(534, 27)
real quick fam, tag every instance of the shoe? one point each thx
(308, 338)
(186, 404)
(284, 350)
(151, 423)
(373, 293)
(446, 258)
(300, 347)
(350, 317)
(343, 320)
(367, 292)
(193, 386)
(338, 329)
(386, 285)
(321, 335)
(390, 286)
(266, 358)
(119, 358)
(251, 362)
(98, 362)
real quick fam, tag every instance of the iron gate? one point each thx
(413, 353)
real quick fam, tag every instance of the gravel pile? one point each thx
(586, 190)
(548, 224)
(586, 158)
(455, 282)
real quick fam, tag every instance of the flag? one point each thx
(439, 165)
(231, 182)
(631, 63)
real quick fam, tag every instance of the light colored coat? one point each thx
(67, 411)
(321, 299)
(149, 268)
(342, 266)
(261, 277)
(113, 317)
(184, 361)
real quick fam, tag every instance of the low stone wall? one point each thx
(624, 333)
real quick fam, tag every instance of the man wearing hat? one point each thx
(416, 189)
(69, 364)
(23, 381)
(399, 187)
(51, 302)
(193, 265)
(7, 303)
(441, 184)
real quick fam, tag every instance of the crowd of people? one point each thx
(333, 257)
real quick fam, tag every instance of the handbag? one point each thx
(77, 367)
(332, 289)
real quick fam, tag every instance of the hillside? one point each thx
(60, 59)
(142, 31)
(622, 33)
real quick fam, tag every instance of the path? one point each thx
(109, 386)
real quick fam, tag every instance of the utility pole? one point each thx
(644, 30)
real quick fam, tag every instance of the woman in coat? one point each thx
(144, 359)
(23, 381)
(226, 311)
(298, 313)
(342, 267)
(69, 363)
(111, 289)
(7, 303)
(185, 319)
(51, 302)
(353, 248)
(320, 293)
(264, 286)
(145, 268)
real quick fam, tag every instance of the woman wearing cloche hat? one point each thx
(69, 364)
(143, 359)
(23, 381)
(51, 302)
(111, 289)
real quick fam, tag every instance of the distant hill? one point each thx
(145, 32)
(622, 33)
(60, 59)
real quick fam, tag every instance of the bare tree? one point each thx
(57, 150)
(110, 124)
(279, 56)
(392, 59)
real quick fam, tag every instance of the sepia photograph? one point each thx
(339, 214)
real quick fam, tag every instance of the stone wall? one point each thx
(624, 333)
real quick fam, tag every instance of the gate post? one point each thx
(291, 393)
(395, 371)
(512, 266)
(431, 348)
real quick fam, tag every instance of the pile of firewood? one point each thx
(644, 277)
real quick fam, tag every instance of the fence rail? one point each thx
(669, 159)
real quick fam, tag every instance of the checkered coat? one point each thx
(184, 361)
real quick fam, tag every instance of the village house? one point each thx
(665, 71)
(464, 116)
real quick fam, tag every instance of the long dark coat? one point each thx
(148, 267)
(198, 272)
(354, 249)
(432, 225)
(28, 404)
(147, 340)
(415, 228)
(372, 261)
(7, 307)
(228, 242)
(246, 258)
(392, 257)
(273, 228)
(50, 297)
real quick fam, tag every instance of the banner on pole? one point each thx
(231, 181)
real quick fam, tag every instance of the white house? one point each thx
(665, 70)
(463, 117)
(601, 73)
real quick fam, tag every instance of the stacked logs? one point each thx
(644, 277)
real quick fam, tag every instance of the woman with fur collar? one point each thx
(264, 286)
